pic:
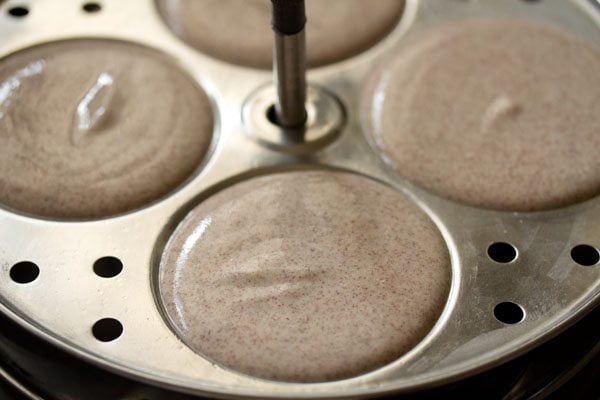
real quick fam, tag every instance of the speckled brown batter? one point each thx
(304, 276)
(239, 31)
(90, 128)
(502, 115)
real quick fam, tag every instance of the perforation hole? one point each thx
(107, 329)
(24, 272)
(91, 7)
(502, 252)
(18, 11)
(509, 313)
(585, 255)
(108, 267)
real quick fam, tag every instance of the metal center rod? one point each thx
(289, 62)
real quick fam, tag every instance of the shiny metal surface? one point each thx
(18, 386)
(67, 298)
(289, 67)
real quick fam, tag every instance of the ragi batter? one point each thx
(239, 31)
(304, 276)
(91, 128)
(496, 114)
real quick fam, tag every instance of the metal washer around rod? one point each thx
(325, 118)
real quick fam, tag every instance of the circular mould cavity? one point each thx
(585, 255)
(107, 329)
(91, 7)
(24, 272)
(304, 276)
(335, 29)
(324, 121)
(108, 267)
(18, 11)
(93, 128)
(502, 252)
(474, 113)
(509, 313)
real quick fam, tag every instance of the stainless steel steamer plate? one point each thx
(67, 298)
